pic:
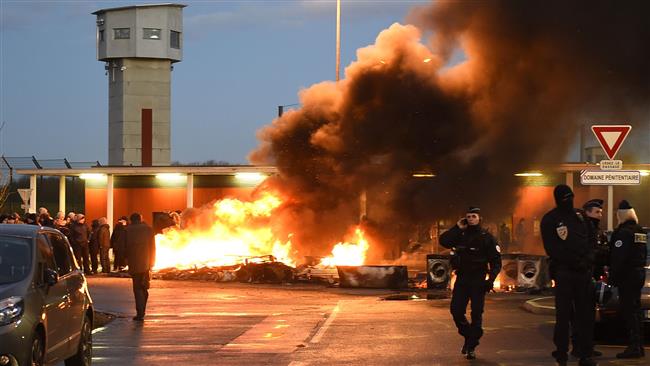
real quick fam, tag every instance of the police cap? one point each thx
(596, 202)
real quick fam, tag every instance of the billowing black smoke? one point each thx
(534, 72)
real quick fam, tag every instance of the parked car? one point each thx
(607, 295)
(46, 313)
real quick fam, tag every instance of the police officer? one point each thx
(475, 254)
(593, 212)
(565, 233)
(628, 257)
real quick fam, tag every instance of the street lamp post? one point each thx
(338, 38)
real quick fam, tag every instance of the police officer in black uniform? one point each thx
(593, 210)
(628, 259)
(475, 254)
(593, 213)
(565, 233)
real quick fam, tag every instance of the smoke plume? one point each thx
(533, 72)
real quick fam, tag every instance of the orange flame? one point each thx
(348, 254)
(234, 234)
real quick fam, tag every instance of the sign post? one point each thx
(25, 194)
(610, 138)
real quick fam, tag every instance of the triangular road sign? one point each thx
(25, 194)
(611, 137)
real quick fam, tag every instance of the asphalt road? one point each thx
(202, 323)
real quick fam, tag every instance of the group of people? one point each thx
(91, 244)
(579, 254)
(132, 242)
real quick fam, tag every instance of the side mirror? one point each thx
(50, 277)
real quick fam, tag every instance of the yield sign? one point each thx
(611, 137)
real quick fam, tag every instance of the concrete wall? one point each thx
(133, 85)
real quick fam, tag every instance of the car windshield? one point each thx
(15, 259)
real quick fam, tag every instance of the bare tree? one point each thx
(5, 183)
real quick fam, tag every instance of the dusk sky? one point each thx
(241, 60)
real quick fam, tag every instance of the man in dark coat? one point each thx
(593, 210)
(141, 256)
(593, 213)
(476, 254)
(565, 233)
(118, 244)
(627, 272)
(79, 238)
(93, 246)
(103, 238)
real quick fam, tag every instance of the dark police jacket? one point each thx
(600, 244)
(566, 236)
(476, 253)
(140, 247)
(628, 253)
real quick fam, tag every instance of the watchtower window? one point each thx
(101, 35)
(121, 33)
(175, 39)
(151, 33)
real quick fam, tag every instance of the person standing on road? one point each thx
(476, 254)
(565, 233)
(79, 237)
(93, 246)
(118, 244)
(104, 243)
(141, 256)
(627, 272)
(593, 212)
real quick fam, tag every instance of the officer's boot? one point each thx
(471, 353)
(631, 352)
(464, 349)
(560, 358)
(587, 361)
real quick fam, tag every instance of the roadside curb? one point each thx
(533, 306)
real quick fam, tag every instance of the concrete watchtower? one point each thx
(139, 45)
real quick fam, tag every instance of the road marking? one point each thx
(534, 303)
(97, 330)
(327, 324)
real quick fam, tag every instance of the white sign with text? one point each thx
(610, 178)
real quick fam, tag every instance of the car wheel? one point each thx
(84, 355)
(38, 350)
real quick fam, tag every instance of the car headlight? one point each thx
(11, 309)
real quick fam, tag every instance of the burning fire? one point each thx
(237, 230)
(348, 254)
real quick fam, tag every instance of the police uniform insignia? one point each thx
(640, 238)
(580, 217)
(618, 243)
(562, 231)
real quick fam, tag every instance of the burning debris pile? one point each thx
(227, 241)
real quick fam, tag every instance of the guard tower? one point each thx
(139, 44)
